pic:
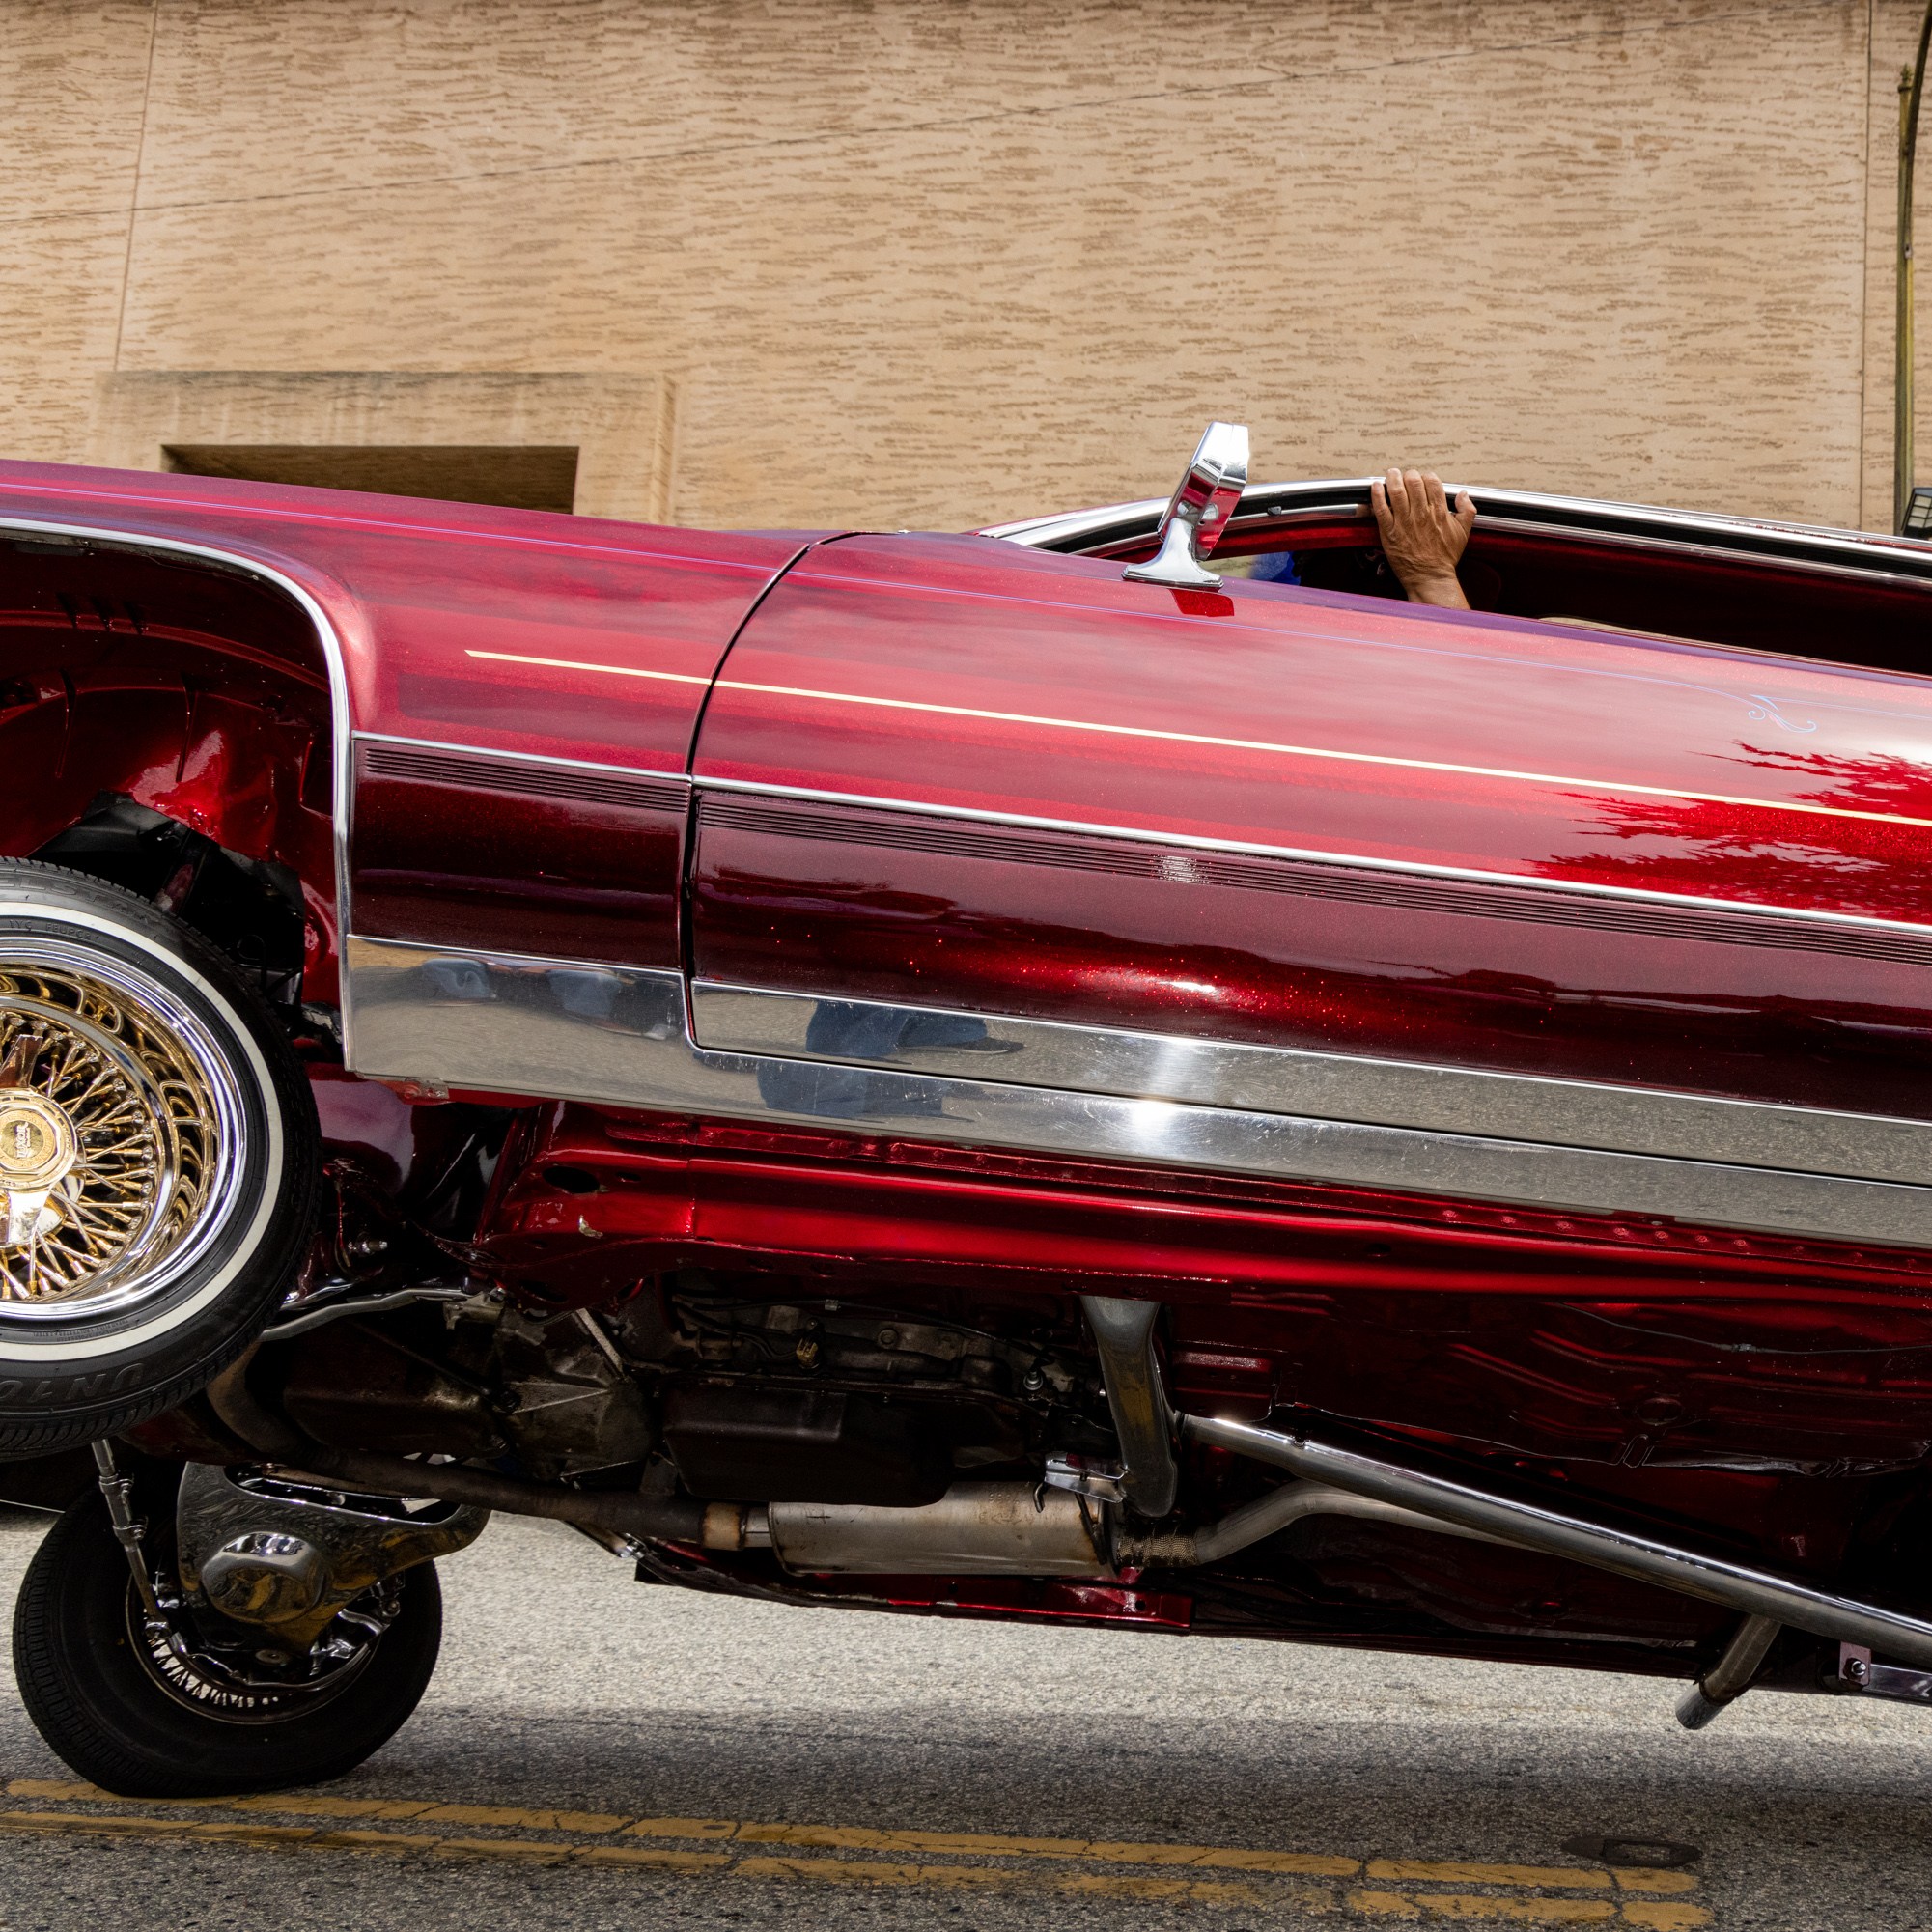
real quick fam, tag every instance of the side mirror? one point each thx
(1198, 512)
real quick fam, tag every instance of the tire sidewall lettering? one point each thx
(65, 1388)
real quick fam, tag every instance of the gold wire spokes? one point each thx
(109, 1135)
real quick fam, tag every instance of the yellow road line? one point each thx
(1660, 1916)
(1651, 1914)
(1479, 1905)
(872, 1873)
(1455, 1872)
(616, 1845)
(686, 1828)
(589, 1823)
(652, 1857)
(979, 1844)
(94, 1824)
(861, 1872)
(877, 1872)
(973, 1845)
(373, 1841)
(1634, 1879)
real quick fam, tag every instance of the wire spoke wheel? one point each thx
(159, 1160)
(118, 1131)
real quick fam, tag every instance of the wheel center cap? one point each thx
(36, 1140)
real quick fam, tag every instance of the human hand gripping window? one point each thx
(1421, 536)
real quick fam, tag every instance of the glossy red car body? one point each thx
(1669, 899)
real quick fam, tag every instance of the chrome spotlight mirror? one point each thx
(1198, 512)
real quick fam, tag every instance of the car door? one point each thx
(971, 809)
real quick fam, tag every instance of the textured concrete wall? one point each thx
(942, 262)
(622, 427)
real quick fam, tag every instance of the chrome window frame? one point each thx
(1818, 548)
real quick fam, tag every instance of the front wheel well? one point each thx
(250, 909)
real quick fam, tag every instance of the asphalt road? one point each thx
(594, 1752)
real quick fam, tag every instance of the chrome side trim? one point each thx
(518, 757)
(1254, 847)
(1297, 1081)
(333, 658)
(570, 1030)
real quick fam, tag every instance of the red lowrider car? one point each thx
(943, 1072)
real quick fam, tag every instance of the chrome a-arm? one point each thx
(569, 1030)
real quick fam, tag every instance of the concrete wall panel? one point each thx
(947, 262)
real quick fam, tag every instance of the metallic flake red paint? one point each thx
(457, 624)
(962, 672)
(953, 674)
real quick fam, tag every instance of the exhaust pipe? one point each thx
(1714, 1578)
(1021, 1530)
(1123, 1333)
(1730, 1676)
(1267, 1516)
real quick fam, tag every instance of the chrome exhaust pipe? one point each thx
(1253, 1523)
(1730, 1676)
(1716, 1579)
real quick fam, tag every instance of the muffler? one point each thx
(975, 1530)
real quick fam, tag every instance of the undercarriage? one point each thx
(985, 1444)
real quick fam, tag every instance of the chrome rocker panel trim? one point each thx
(569, 1030)
(1326, 1086)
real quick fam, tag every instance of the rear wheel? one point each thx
(159, 1160)
(200, 1707)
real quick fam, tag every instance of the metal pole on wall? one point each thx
(1910, 87)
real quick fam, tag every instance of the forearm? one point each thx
(1443, 591)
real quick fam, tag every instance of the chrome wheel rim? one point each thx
(121, 1133)
(234, 1687)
